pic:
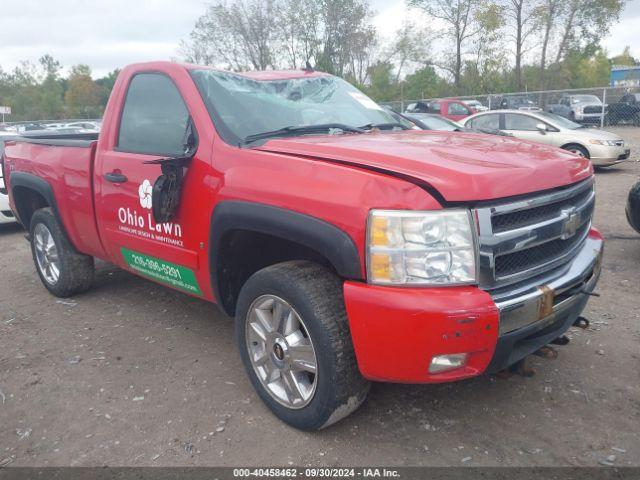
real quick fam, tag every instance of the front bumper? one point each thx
(397, 331)
(588, 117)
(602, 155)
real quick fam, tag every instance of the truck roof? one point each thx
(262, 75)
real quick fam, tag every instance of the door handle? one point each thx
(115, 177)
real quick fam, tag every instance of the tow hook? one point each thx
(547, 352)
(591, 294)
(563, 340)
(581, 322)
(521, 367)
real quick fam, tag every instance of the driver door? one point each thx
(153, 122)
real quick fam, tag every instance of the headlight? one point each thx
(608, 143)
(427, 248)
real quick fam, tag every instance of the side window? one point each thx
(434, 107)
(565, 101)
(513, 121)
(491, 121)
(154, 117)
(457, 109)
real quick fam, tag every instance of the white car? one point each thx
(84, 126)
(475, 105)
(603, 148)
(6, 216)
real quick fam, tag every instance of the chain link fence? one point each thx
(602, 107)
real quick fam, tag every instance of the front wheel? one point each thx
(293, 335)
(578, 150)
(63, 271)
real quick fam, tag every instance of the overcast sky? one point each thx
(107, 34)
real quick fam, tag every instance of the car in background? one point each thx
(430, 121)
(7, 130)
(627, 109)
(518, 102)
(6, 215)
(475, 105)
(603, 148)
(633, 207)
(89, 126)
(449, 108)
(30, 127)
(578, 108)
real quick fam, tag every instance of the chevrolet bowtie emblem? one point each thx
(571, 224)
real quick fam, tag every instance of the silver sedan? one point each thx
(603, 148)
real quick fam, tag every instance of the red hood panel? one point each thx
(461, 166)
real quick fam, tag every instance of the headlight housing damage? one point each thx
(421, 248)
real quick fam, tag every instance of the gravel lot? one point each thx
(134, 374)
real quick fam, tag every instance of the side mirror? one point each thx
(541, 127)
(168, 186)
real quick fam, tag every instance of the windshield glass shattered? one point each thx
(242, 107)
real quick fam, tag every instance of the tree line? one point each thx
(40, 92)
(457, 47)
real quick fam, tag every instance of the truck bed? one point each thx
(59, 139)
(65, 163)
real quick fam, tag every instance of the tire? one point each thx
(578, 149)
(62, 270)
(315, 297)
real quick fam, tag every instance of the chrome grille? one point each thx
(524, 239)
(592, 109)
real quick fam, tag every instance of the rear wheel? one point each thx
(293, 335)
(63, 271)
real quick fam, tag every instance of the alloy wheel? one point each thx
(281, 351)
(46, 254)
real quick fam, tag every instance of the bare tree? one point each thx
(522, 21)
(410, 44)
(549, 14)
(336, 35)
(238, 35)
(344, 22)
(459, 16)
(586, 21)
(299, 26)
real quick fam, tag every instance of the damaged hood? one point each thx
(461, 167)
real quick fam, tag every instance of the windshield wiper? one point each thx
(384, 126)
(301, 130)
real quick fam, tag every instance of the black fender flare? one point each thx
(37, 184)
(319, 235)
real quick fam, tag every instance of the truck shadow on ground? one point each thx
(10, 228)
(431, 407)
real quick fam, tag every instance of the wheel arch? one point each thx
(29, 194)
(577, 144)
(246, 237)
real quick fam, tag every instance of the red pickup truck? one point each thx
(348, 246)
(455, 110)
